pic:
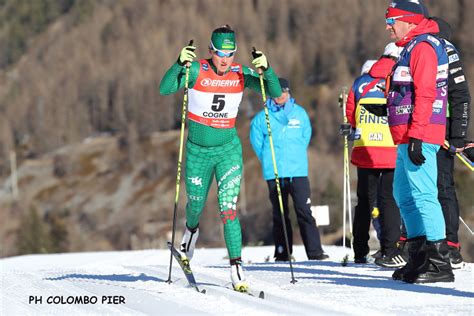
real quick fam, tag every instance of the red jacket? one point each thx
(369, 152)
(423, 69)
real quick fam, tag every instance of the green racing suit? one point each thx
(215, 151)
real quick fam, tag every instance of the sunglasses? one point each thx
(391, 21)
(221, 53)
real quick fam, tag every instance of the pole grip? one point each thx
(255, 55)
(191, 42)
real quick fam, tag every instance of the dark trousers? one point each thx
(300, 192)
(447, 194)
(374, 188)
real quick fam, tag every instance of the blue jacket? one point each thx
(291, 132)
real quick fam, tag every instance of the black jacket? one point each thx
(458, 96)
(458, 90)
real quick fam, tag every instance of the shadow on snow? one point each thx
(350, 279)
(110, 277)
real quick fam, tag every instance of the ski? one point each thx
(188, 273)
(184, 264)
(250, 292)
(259, 294)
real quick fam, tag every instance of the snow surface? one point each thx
(138, 277)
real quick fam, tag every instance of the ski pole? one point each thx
(275, 170)
(459, 152)
(342, 104)
(347, 165)
(468, 228)
(346, 206)
(180, 156)
(465, 161)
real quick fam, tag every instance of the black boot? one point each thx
(436, 267)
(415, 257)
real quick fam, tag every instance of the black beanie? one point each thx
(445, 30)
(285, 85)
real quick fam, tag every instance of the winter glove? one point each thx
(415, 152)
(259, 60)
(345, 129)
(187, 54)
(349, 131)
(376, 109)
(354, 135)
(455, 143)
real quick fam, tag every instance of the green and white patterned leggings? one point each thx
(225, 162)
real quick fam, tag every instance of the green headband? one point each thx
(224, 41)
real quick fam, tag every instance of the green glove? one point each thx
(187, 55)
(260, 61)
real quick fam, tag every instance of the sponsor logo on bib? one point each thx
(207, 82)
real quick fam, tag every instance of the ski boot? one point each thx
(455, 257)
(188, 244)
(237, 276)
(436, 267)
(416, 257)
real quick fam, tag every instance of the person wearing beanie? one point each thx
(374, 155)
(213, 147)
(457, 121)
(416, 105)
(367, 65)
(291, 132)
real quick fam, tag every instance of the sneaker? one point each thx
(394, 260)
(284, 258)
(322, 256)
(455, 258)
(377, 254)
(361, 260)
(189, 242)
(237, 276)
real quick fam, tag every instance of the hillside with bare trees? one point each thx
(96, 144)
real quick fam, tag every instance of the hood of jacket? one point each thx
(425, 26)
